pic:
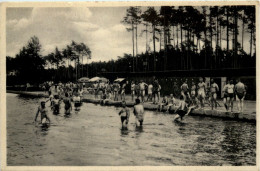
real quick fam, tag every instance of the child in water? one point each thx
(124, 113)
(67, 103)
(182, 109)
(56, 105)
(77, 101)
(44, 117)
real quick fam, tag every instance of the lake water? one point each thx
(93, 136)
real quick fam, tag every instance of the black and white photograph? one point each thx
(131, 85)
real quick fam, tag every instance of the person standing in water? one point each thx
(77, 102)
(133, 90)
(125, 114)
(240, 91)
(138, 112)
(213, 91)
(67, 102)
(44, 117)
(201, 92)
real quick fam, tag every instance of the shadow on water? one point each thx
(124, 131)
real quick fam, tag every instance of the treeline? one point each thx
(189, 34)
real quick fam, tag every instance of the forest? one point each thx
(189, 38)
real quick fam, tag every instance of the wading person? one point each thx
(201, 92)
(213, 94)
(125, 114)
(138, 112)
(67, 104)
(240, 90)
(56, 105)
(44, 117)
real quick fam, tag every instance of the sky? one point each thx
(100, 28)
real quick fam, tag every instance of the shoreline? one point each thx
(249, 117)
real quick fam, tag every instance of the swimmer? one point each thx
(138, 112)
(125, 114)
(123, 92)
(240, 91)
(56, 105)
(150, 92)
(67, 102)
(193, 93)
(143, 86)
(213, 92)
(201, 92)
(182, 109)
(44, 117)
(225, 95)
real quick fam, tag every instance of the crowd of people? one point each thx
(191, 97)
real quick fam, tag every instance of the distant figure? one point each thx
(150, 92)
(201, 92)
(44, 117)
(133, 90)
(194, 99)
(182, 109)
(240, 90)
(123, 92)
(230, 92)
(116, 90)
(213, 94)
(143, 86)
(156, 88)
(137, 89)
(67, 102)
(77, 102)
(225, 96)
(139, 112)
(56, 105)
(125, 114)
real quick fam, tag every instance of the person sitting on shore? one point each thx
(67, 102)
(171, 102)
(44, 116)
(125, 114)
(182, 110)
(163, 103)
(138, 112)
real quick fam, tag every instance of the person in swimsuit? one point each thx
(185, 90)
(125, 114)
(163, 103)
(171, 102)
(150, 92)
(182, 109)
(123, 92)
(133, 90)
(77, 102)
(201, 92)
(67, 102)
(240, 91)
(137, 89)
(138, 112)
(143, 86)
(56, 105)
(116, 90)
(44, 117)
(225, 95)
(230, 98)
(193, 93)
(213, 94)
(156, 91)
